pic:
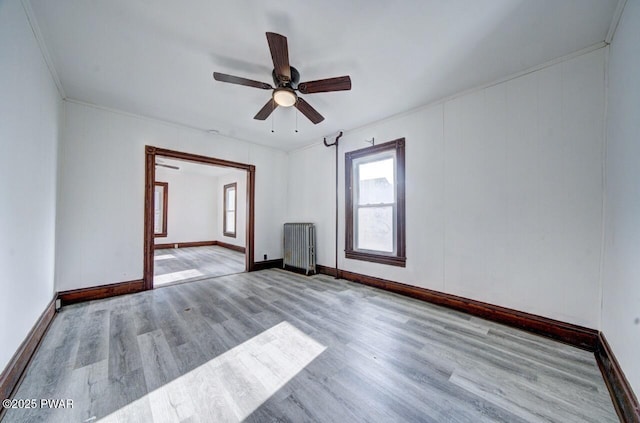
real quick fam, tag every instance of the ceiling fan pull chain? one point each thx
(272, 117)
(296, 121)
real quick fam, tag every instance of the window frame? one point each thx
(397, 258)
(225, 210)
(165, 206)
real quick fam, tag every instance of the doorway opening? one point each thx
(175, 248)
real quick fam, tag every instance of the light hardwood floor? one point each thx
(195, 263)
(277, 346)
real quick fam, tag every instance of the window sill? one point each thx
(377, 258)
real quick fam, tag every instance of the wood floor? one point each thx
(195, 263)
(277, 346)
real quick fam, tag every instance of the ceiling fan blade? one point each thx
(280, 55)
(311, 113)
(223, 77)
(168, 166)
(340, 83)
(266, 110)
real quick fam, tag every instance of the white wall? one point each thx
(504, 192)
(240, 178)
(101, 196)
(192, 213)
(30, 112)
(271, 201)
(311, 196)
(621, 276)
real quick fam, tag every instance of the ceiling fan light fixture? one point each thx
(284, 97)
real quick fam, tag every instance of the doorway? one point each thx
(151, 219)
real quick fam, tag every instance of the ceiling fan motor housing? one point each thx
(295, 78)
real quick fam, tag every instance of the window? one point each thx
(375, 223)
(160, 200)
(229, 217)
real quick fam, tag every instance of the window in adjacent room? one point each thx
(160, 200)
(375, 222)
(229, 219)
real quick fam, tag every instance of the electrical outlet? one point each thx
(265, 256)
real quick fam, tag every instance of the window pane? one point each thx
(376, 182)
(157, 224)
(158, 209)
(231, 199)
(375, 228)
(231, 224)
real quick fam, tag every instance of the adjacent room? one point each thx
(326, 211)
(199, 221)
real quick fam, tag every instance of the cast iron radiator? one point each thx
(300, 246)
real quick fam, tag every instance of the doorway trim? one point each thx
(150, 175)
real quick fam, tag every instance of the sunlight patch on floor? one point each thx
(231, 386)
(176, 276)
(164, 257)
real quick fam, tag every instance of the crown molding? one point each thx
(35, 28)
(615, 20)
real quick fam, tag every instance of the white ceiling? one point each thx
(156, 57)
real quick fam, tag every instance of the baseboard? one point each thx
(12, 375)
(267, 264)
(200, 244)
(231, 246)
(624, 400)
(326, 270)
(574, 335)
(184, 244)
(100, 292)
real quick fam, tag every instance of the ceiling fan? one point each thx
(285, 79)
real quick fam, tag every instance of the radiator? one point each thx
(300, 246)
